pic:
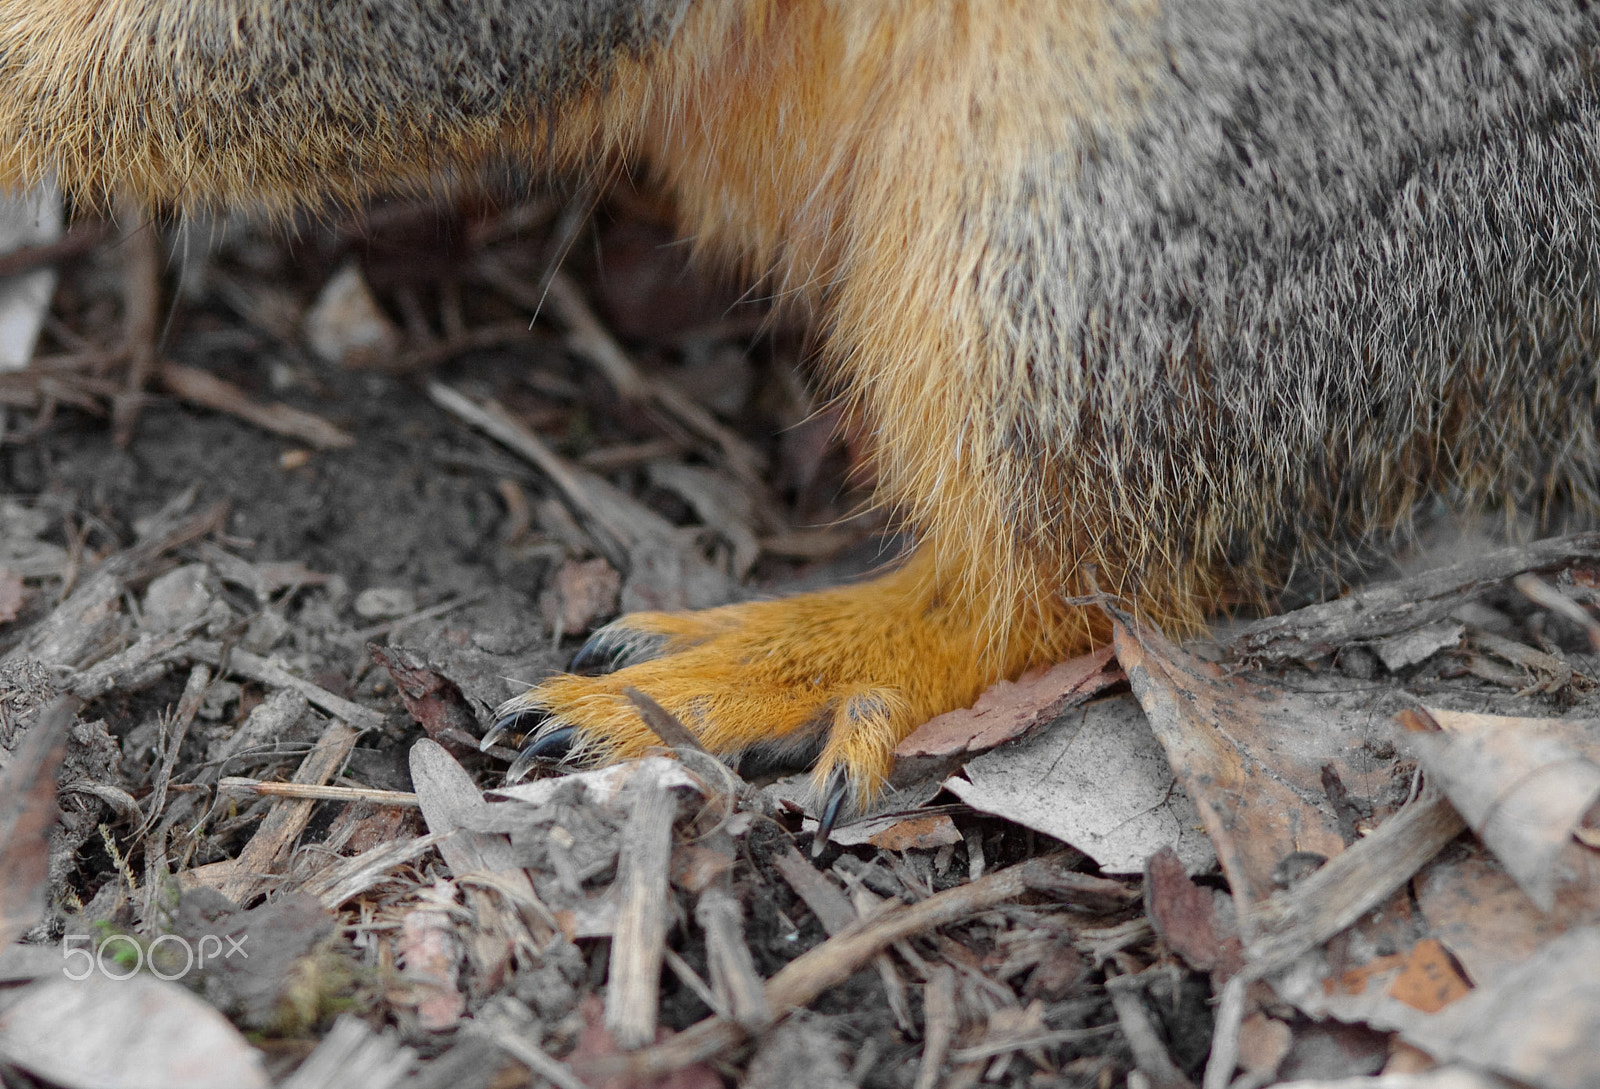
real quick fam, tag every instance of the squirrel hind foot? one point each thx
(834, 679)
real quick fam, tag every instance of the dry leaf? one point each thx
(135, 1033)
(1474, 907)
(346, 325)
(1538, 1024)
(27, 816)
(1007, 711)
(1099, 781)
(1522, 790)
(1189, 919)
(1252, 754)
(1429, 980)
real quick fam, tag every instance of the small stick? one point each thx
(80, 238)
(615, 521)
(141, 299)
(498, 334)
(634, 991)
(733, 971)
(663, 723)
(314, 792)
(242, 663)
(1149, 1052)
(588, 338)
(194, 691)
(201, 388)
(1540, 592)
(939, 1019)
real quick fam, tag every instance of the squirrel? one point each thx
(1169, 300)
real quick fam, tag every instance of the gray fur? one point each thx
(1314, 283)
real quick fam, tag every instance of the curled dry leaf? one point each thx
(1522, 789)
(1251, 752)
(1007, 711)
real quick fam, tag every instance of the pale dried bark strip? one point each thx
(633, 991)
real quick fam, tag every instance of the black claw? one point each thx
(833, 799)
(598, 654)
(551, 748)
(515, 722)
(613, 647)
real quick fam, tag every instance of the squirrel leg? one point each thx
(835, 678)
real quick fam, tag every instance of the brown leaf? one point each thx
(27, 815)
(1007, 711)
(1185, 915)
(1537, 1025)
(924, 833)
(1251, 753)
(433, 699)
(1429, 980)
(1474, 906)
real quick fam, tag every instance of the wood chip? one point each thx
(258, 862)
(633, 994)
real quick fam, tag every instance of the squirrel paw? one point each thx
(832, 679)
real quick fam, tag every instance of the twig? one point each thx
(194, 691)
(253, 667)
(939, 1023)
(663, 723)
(1540, 592)
(1351, 884)
(78, 625)
(733, 971)
(201, 388)
(439, 609)
(354, 875)
(1149, 1052)
(1400, 606)
(514, 1040)
(313, 792)
(80, 238)
(499, 334)
(141, 295)
(615, 521)
(588, 338)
